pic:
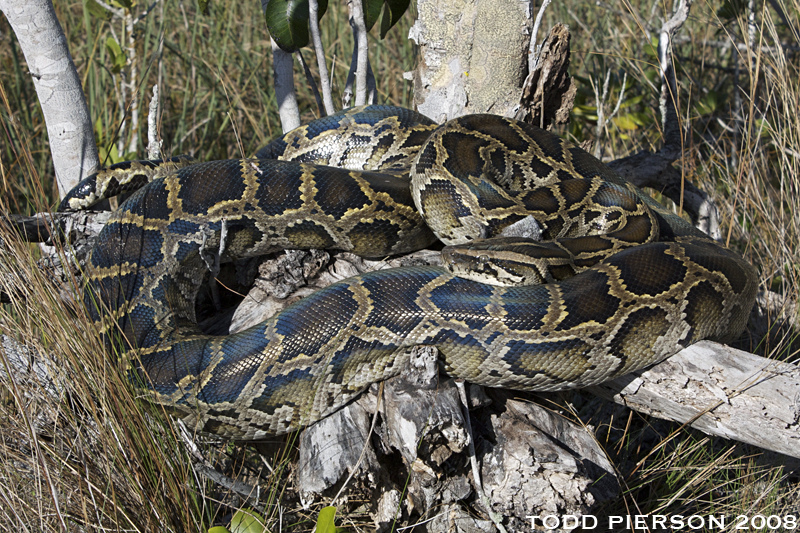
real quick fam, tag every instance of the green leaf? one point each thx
(287, 22)
(96, 10)
(247, 520)
(633, 100)
(325, 520)
(625, 122)
(651, 50)
(219, 529)
(116, 53)
(124, 4)
(372, 12)
(585, 112)
(708, 103)
(391, 14)
(109, 156)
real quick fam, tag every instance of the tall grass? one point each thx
(95, 456)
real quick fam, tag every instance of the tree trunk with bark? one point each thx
(58, 88)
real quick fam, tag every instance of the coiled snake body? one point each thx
(627, 283)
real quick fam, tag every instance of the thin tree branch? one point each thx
(324, 79)
(153, 142)
(347, 93)
(602, 119)
(673, 134)
(534, 48)
(361, 52)
(372, 90)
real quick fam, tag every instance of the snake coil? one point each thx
(619, 283)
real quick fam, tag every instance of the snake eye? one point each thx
(482, 261)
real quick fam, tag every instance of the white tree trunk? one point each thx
(58, 87)
(472, 56)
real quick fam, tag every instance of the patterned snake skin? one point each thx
(626, 283)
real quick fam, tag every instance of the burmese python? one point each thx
(647, 282)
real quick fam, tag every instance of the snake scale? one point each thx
(614, 282)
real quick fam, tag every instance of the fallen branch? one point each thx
(720, 391)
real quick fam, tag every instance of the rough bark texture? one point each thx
(548, 93)
(472, 56)
(69, 126)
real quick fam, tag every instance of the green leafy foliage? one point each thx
(116, 54)
(708, 103)
(630, 118)
(325, 521)
(247, 521)
(372, 12)
(287, 22)
(96, 10)
(244, 521)
(392, 11)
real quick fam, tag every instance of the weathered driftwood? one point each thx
(46, 227)
(720, 391)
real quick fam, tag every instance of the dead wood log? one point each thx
(721, 391)
(420, 447)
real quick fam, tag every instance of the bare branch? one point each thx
(115, 11)
(673, 135)
(535, 49)
(153, 142)
(372, 90)
(132, 81)
(324, 79)
(360, 51)
(602, 119)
